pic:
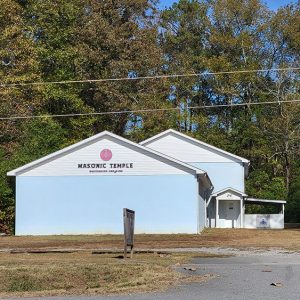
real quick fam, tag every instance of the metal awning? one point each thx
(262, 201)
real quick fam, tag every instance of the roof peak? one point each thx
(92, 139)
(229, 189)
(187, 137)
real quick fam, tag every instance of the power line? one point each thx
(245, 104)
(4, 85)
(146, 110)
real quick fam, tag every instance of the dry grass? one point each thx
(288, 239)
(86, 273)
(26, 274)
(236, 238)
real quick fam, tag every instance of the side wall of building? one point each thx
(94, 204)
(224, 175)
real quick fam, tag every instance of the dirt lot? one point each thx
(86, 273)
(81, 272)
(235, 238)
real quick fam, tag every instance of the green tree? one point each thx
(292, 212)
(37, 138)
(18, 63)
(81, 40)
(184, 34)
(236, 35)
(53, 27)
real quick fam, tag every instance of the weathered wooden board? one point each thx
(128, 217)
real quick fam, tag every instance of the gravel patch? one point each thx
(235, 252)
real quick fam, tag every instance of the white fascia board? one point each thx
(158, 136)
(265, 200)
(56, 154)
(228, 189)
(92, 139)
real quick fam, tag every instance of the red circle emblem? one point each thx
(106, 154)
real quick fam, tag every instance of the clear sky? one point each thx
(273, 4)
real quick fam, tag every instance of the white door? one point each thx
(232, 213)
(229, 212)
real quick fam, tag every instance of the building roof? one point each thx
(227, 190)
(179, 164)
(200, 143)
(257, 201)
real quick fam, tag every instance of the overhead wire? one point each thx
(20, 84)
(147, 110)
(14, 85)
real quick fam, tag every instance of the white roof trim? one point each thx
(158, 136)
(265, 200)
(224, 191)
(229, 189)
(64, 151)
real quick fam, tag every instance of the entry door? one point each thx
(231, 214)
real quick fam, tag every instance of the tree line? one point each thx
(61, 40)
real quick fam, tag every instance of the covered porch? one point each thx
(226, 209)
(273, 220)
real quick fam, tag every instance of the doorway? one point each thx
(229, 212)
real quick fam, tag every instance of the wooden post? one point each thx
(125, 251)
(131, 252)
(128, 217)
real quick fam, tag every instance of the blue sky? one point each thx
(273, 4)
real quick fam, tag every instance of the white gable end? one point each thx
(229, 195)
(119, 159)
(187, 150)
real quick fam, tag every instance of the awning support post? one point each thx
(242, 214)
(217, 212)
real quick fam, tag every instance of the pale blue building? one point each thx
(226, 171)
(176, 184)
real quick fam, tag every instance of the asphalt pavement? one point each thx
(240, 277)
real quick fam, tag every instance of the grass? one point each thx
(38, 274)
(236, 238)
(86, 273)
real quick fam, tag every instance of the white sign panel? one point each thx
(105, 157)
(263, 221)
